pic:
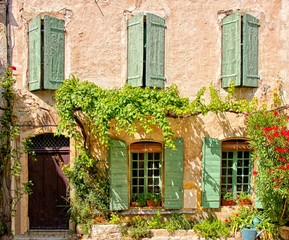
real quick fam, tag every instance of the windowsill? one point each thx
(151, 211)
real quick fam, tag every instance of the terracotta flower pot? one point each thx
(228, 202)
(244, 202)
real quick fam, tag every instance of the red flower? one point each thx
(237, 214)
(226, 220)
(267, 129)
(255, 173)
(13, 67)
(276, 134)
(283, 167)
(281, 149)
(285, 133)
(275, 113)
(282, 159)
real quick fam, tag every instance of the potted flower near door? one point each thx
(244, 199)
(228, 199)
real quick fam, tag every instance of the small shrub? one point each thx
(139, 232)
(212, 228)
(156, 221)
(179, 221)
(115, 219)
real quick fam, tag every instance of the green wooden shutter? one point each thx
(118, 176)
(53, 52)
(135, 55)
(174, 171)
(211, 164)
(250, 50)
(231, 50)
(35, 54)
(155, 51)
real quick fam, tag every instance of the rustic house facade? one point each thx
(147, 44)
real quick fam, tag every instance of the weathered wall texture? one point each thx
(96, 50)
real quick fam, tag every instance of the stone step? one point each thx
(44, 235)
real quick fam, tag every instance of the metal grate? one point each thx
(48, 140)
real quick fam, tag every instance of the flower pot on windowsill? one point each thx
(133, 204)
(151, 203)
(228, 202)
(243, 202)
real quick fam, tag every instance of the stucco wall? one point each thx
(96, 50)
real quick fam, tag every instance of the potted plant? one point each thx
(228, 199)
(141, 200)
(244, 199)
(154, 199)
(133, 200)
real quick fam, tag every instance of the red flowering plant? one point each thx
(269, 138)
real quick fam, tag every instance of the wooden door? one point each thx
(48, 204)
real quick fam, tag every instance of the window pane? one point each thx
(224, 179)
(150, 156)
(224, 163)
(150, 181)
(239, 171)
(134, 190)
(224, 154)
(246, 154)
(224, 172)
(156, 181)
(239, 188)
(230, 180)
(239, 163)
(134, 173)
(246, 171)
(141, 164)
(230, 163)
(134, 164)
(240, 154)
(141, 181)
(230, 171)
(141, 189)
(134, 181)
(239, 180)
(157, 156)
(246, 179)
(231, 154)
(150, 173)
(134, 156)
(156, 164)
(246, 163)
(141, 156)
(141, 173)
(156, 172)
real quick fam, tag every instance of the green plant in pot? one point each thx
(244, 199)
(154, 199)
(141, 200)
(228, 199)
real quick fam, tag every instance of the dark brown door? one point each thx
(48, 203)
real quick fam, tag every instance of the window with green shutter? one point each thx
(240, 50)
(46, 53)
(146, 51)
(226, 167)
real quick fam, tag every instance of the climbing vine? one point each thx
(9, 157)
(128, 109)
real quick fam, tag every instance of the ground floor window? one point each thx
(235, 172)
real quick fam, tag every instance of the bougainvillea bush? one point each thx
(269, 139)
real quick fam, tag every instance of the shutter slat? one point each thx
(118, 176)
(35, 54)
(211, 162)
(53, 52)
(250, 50)
(174, 171)
(135, 55)
(155, 51)
(231, 50)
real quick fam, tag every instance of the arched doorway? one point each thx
(48, 203)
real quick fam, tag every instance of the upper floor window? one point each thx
(46, 53)
(240, 50)
(146, 51)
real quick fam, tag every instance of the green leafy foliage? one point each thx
(89, 178)
(212, 229)
(127, 109)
